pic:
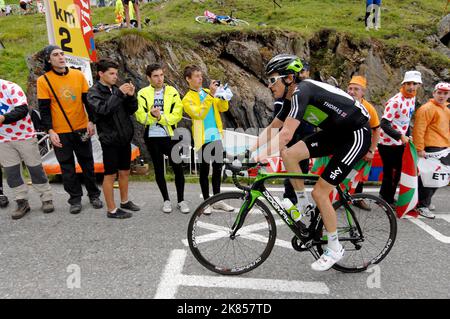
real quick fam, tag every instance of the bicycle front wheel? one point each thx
(210, 228)
(239, 23)
(378, 232)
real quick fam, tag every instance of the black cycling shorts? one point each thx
(116, 158)
(125, 2)
(346, 148)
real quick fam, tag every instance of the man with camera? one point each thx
(68, 119)
(112, 108)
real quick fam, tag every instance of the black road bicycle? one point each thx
(239, 240)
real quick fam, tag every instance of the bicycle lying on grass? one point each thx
(236, 242)
(209, 17)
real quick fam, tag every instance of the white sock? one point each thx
(333, 241)
(113, 211)
(123, 203)
(303, 200)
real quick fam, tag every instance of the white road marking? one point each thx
(172, 278)
(247, 231)
(430, 230)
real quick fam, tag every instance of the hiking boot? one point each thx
(167, 207)
(75, 209)
(425, 212)
(23, 207)
(361, 203)
(3, 201)
(96, 203)
(47, 207)
(183, 207)
(130, 206)
(119, 214)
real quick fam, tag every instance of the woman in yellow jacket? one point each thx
(204, 110)
(159, 110)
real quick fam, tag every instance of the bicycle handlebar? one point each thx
(238, 171)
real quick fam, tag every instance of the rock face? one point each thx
(238, 59)
(444, 30)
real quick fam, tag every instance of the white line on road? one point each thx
(430, 230)
(172, 278)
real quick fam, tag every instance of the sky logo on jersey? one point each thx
(335, 174)
(314, 115)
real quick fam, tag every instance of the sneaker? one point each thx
(119, 214)
(432, 207)
(167, 207)
(328, 259)
(425, 212)
(75, 209)
(207, 211)
(223, 206)
(361, 203)
(96, 203)
(3, 201)
(47, 207)
(23, 207)
(183, 207)
(130, 206)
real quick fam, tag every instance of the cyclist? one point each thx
(345, 134)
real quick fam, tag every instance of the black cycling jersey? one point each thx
(325, 106)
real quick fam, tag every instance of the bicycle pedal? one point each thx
(298, 245)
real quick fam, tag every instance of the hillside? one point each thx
(405, 23)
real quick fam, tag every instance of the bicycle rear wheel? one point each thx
(209, 235)
(202, 19)
(378, 233)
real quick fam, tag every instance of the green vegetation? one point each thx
(404, 23)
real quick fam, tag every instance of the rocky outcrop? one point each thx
(238, 59)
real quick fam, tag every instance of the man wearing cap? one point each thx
(68, 119)
(431, 134)
(357, 88)
(394, 133)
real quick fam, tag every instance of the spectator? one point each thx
(2, 8)
(112, 107)
(18, 143)
(25, 4)
(101, 3)
(160, 110)
(394, 135)
(373, 14)
(3, 199)
(357, 89)
(204, 110)
(431, 133)
(304, 73)
(136, 10)
(62, 98)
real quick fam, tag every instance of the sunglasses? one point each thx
(274, 79)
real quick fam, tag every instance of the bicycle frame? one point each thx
(306, 235)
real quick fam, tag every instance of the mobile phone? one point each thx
(217, 82)
(128, 80)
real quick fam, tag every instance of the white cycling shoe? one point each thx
(328, 259)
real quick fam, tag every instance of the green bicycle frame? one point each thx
(258, 190)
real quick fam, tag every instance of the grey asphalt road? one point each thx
(89, 256)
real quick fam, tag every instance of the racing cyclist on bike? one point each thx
(345, 134)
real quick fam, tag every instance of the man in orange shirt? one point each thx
(357, 88)
(68, 119)
(431, 134)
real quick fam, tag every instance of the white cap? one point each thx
(443, 86)
(413, 76)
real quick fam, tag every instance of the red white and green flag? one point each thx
(359, 173)
(409, 193)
